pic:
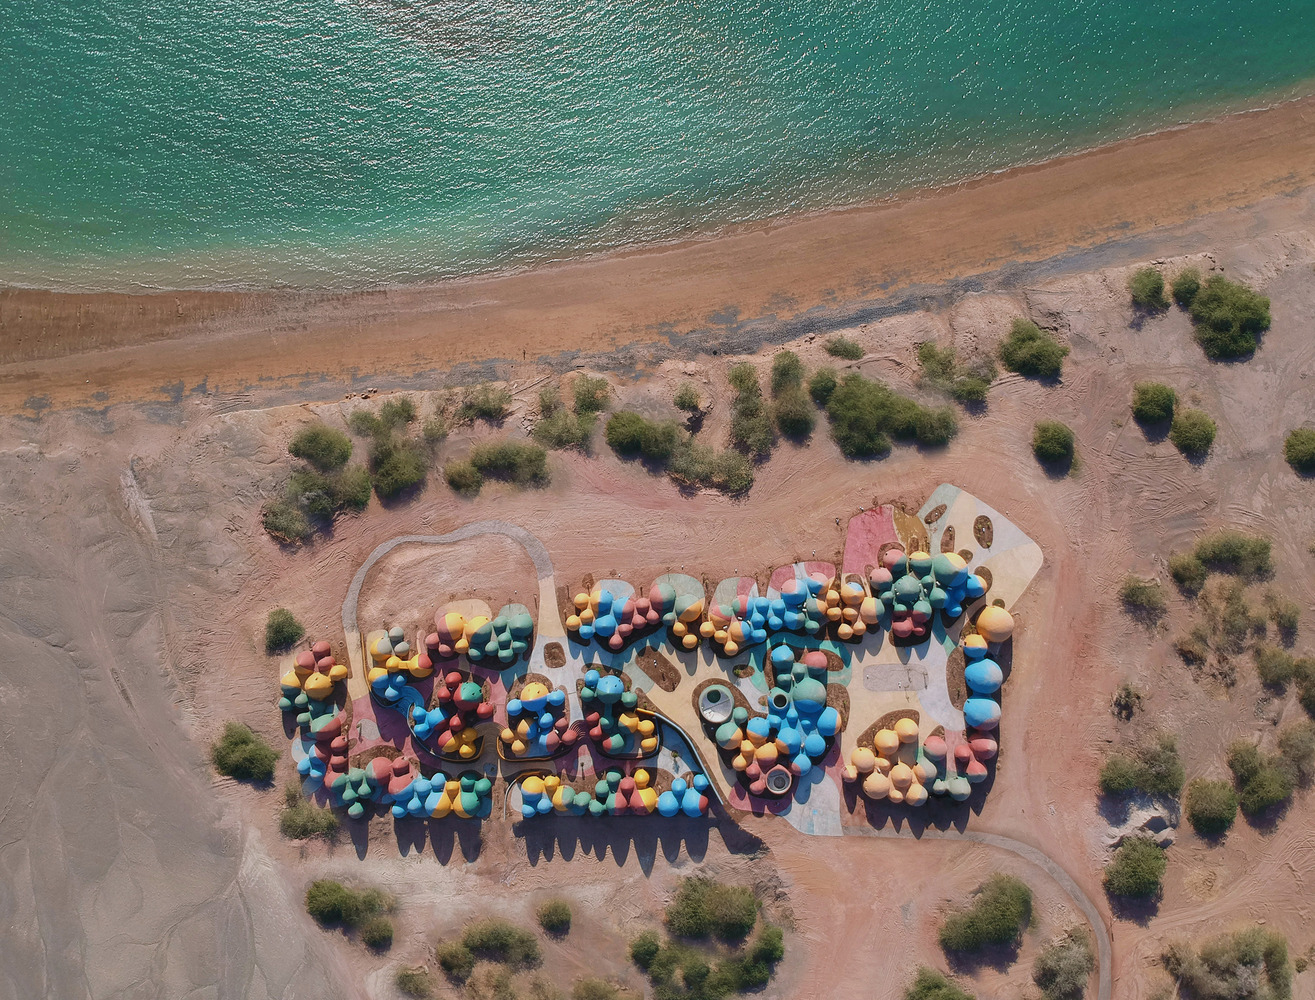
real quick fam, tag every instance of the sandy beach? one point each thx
(771, 283)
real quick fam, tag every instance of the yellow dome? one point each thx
(876, 785)
(915, 796)
(533, 785)
(956, 560)
(474, 625)
(974, 642)
(906, 730)
(573, 622)
(706, 629)
(534, 689)
(581, 601)
(693, 613)
(318, 686)
(995, 624)
(870, 610)
(901, 776)
(690, 640)
(863, 759)
(845, 631)
(919, 555)
(887, 742)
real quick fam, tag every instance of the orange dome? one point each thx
(995, 624)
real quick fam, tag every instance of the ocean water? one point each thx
(360, 142)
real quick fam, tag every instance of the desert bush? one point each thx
(590, 394)
(1185, 286)
(1137, 869)
(695, 464)
(414, 982)
(1249, 964)
(397, 464)
(286, 522)
(932, 984)
(1229, 551)
(965, 383)
(1147, 289)
(1187, 571)
(500, 941)
(632, 435)
(563, 429)
(866, 414)
(592, 988)
(1192, 432)
(645, 948)
(1153, 403)
(751, 424)
(301, 819)
(1052, 442)
(1063, 967)
(1275, 666)
(1229, 317)
(434, 430)
(1119, 774)
(396, 411)
(1299, 450)
(743, 378)
(463, 477)
(321, 446)
(1143, 598)
(331, 903)
(1284, 613)
(793, 413)
(1262, 782)
(550, 400)
(351, 488)
(703, 908)
(517, 462)
(1031, 351)
(1296, 745)
(1194, 647)
(377, 933)
(787, 372)
(365, 424)
(1126, 703)
(281, 630)
(484, 402)
(999, 913)
(822, 385)
(1231, 619)
(1211, 806)
(843, 347)
(555, 916)
(1155, 769)
(243, 755)
(455, 959)
(687, 398)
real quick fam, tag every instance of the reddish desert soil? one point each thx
(135, 579)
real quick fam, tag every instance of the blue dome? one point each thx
(981, 713)
(983, 676)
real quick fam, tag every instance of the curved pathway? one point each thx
(543, 569)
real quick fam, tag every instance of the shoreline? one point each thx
(115, 346)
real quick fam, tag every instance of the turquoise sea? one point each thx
(362, 142)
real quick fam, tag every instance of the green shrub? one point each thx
(377, 933)
(323, 447)
(743, 378)
(1284, 613)
(1229, 551)
(1000, 912)
(435, 429)
(1119, 774)
(822, 385)
(632, 435)
(563, 429)
(687, 398)
(1228, 317)
(793, 413)
(396, 411)
(1137, 869)
(1296, 745)
(1031, 351)
(1299, 450)
(463, 477)
(301, 819)
(966, 383)
(555, 916)
(1052, 442)
(365, 424)
(843, 347)
(1147, 289)
(281, 630)
(751, 424)
(1244, 760)
(351, 488)
(695, 464)
(455, 959)
(243, 755)
(331, 903)
(1275, 666)
(787, 372)
(484, 402)
(1192, 432)
(1185, 286)
(286, 522)
(1249, 964)
(1262, 782)
(593, 988)
(1188, 572)
(397, 465)
(865, 415)
(591, 394)
(514, 461)
(1211, 806)
(644, 949)
(1153, 403)
(1143, 598)
(500, 941)
(414, 982)
(1126, 703)
(1155, 770)
(1064, 966)
(704, 908)
(931, 984)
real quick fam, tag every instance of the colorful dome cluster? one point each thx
(895, 768)
(773, 751)
(983, 677)
(604, 616)
(312, 677)
(536, 723)
(393, 663)
(912, 588)
(469, 796)
(459, 705)
(614, 723)
(614, 794)
(505, 637)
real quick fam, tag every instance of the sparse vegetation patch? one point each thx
(1153, 403)
(1192, 432)
(965, 383)
(243, 755)
(999, 913)
(1031, 351)
(1249, 964)
(1064, 966)
(1146, 286)
(1137, 869)
(1229, 318)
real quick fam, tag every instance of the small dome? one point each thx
(906, 730)
(887, 742)
(995, 624)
